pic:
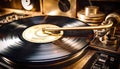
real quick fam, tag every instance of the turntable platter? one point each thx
(17, 48)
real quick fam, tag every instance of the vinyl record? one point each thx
(15, 48)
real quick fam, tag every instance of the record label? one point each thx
(36, 34)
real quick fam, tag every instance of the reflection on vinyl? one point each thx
(17, 49)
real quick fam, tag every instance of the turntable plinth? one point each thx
(81, 63)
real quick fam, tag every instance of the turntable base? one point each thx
(81, 63)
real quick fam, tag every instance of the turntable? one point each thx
(45, 41)
(53, 42)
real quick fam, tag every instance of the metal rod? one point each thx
(110, 23)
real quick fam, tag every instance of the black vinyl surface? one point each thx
(18, 50)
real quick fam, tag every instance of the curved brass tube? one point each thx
(107, 25)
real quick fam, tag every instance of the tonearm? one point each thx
(110, 22)
(105, 24)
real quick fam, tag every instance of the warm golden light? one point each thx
(54, 12)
